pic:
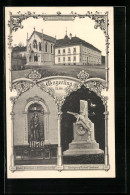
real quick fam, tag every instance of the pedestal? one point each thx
(83, 143)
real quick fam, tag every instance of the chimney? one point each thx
(70, 36)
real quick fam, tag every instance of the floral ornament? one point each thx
(70, 89)
(47, 89)
(104, 99)
(107, 44)
(97, 88)
(10, 41)
(58, 13)
(83, 76)
(22, 86)
(16, 20)
(100, 20)
(34, 75)
(15, 23)
(59, 102)
(13, 99)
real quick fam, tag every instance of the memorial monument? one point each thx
(83, 133)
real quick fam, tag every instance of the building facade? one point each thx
(75, 51)
(18, 58)
(40, 49)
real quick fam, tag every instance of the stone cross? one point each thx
(84, 108)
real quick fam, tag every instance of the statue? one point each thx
(35, 127)
(83, 134)
(82, 120)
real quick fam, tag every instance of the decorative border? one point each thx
(93, 84)
(101, 21)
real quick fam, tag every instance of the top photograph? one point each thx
(59, 44)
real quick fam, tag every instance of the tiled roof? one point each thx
(74, 41)
(46, 37)
(18, 48)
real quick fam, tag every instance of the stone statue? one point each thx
(35, 127)
(83, 134)
(82, 120)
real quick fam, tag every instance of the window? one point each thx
(69, 59)
(74, 58)
(46, 47)
(68, 50)
(74, 50)
(59, 51)
(35, 58)
(51, 48)
(63, 50)
(40, 48)
(63, 59)
(58, 59)
(35, 44)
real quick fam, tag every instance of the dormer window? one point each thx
(35, 44)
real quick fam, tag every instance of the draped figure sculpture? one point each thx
(35, 127)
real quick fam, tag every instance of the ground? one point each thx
(84, 159)
(72, 71)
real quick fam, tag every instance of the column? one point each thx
(26, 129)
(46, 128)
(59, 149)
(10, 68)
(106, 140)
(12, 166)
(107, 48)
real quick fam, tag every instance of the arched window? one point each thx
(35, 44)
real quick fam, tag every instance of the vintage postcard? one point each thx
(60, 92)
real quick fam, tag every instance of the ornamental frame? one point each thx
(101, 21)
(93, 84)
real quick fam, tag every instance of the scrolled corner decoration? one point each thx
(69, 89)
(95, 86)
(22, 86)
(101, 20)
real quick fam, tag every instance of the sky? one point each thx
(82, 28)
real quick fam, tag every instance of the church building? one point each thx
(40, 49)
(75, 51)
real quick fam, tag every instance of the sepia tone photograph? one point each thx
(60, 92)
